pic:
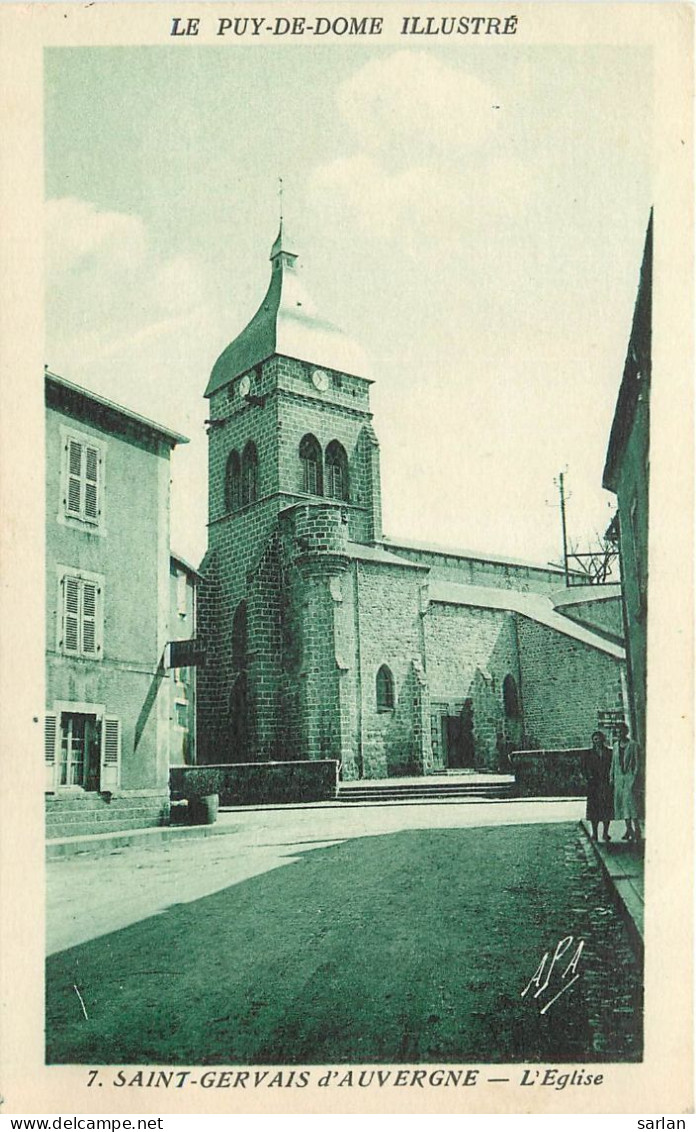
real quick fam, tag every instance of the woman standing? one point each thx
(624, 777)
(600, 797)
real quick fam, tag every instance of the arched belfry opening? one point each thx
(233, 482)
(311, 461)
(337, 486)
(250, 474)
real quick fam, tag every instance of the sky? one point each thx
(474, 220)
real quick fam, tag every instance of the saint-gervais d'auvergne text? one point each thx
(341, 26)
(344, 1078)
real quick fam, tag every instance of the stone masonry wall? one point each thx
(468, 570)
(330, 416)
(313, 539)
(564, 685)
(244, 567)
(286, 599)
(606, 616)
(241, 424)
(470, 651)
(391, 633)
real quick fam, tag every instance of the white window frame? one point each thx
(83, 579)
(178, 702)
(110, 755)
(77, 518)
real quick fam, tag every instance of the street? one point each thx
(378, 934)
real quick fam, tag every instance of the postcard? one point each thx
(347, 544)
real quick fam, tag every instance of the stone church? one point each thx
(326, 639)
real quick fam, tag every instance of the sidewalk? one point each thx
(623, 865)
(97, 844)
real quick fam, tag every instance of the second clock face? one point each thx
(321, 380)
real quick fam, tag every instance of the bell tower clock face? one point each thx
(244, 386)
(320, 380)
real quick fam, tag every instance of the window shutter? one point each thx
(91, 483)
(73, 500)
(111, 753)
(50, 732)
(89, 618)
(71, 614)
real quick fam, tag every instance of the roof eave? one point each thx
(173, 438)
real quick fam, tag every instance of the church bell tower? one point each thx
(293, 480)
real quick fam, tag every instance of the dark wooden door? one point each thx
(459, 738)
(453, 737)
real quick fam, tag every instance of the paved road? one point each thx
(90, 896)
(410, 941)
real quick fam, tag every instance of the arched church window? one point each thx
(336, 471)
(310, 458)
(385, 689)
(511, 699)
(233, 482)
(250, 474)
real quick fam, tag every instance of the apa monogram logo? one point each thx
(541, 979)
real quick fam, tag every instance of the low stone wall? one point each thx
(549, 773)
(258, 784)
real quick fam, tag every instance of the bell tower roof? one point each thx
(282, 244)
(287, 322)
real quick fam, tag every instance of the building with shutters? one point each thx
(184, 580)
(326, 639)
(108, 597)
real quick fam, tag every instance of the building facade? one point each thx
(626, 473)
(323, 638)
(182, 678)
(107, 726)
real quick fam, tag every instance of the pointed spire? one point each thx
(282, 245)
(288, 323)
(281, 248)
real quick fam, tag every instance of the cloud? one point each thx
(178, 285)
(411, 100)
(76, 231)
(109, 290)
(425, 165)
(128, 322)
(424, 205)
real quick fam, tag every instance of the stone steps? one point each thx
(89, 828)
(428, 791)
(95, 803)
(80, 816)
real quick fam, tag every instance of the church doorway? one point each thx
(458, 737)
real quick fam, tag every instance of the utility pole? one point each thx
(561, 492)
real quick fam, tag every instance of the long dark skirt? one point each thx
(600, 792)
